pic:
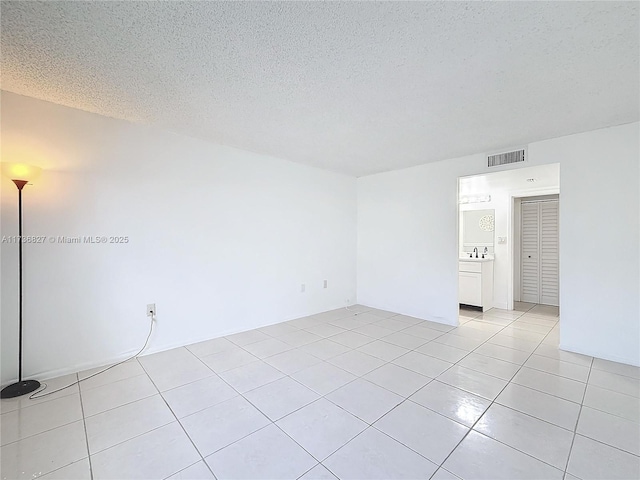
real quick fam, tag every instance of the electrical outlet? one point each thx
(151, 310)
(303, 287)
(326, 284)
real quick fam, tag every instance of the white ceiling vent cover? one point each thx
(505, 158)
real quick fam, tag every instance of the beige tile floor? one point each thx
(359, 394)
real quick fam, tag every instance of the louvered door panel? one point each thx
(549, 253)
(530, 267)
(540, 252)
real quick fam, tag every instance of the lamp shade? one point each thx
(20, 171)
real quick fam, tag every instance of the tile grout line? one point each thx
(86, 434)
(487, 409)
(575, 429)
(337, 366)
(321, 397)
(523, 365)
(59, 426)
(408, 399)
(441, 465)
(352, 349)
(126, 403)
(41, 432)
(272, 422)
(559, 375)
(438, 413)
(547, 393)
(356, 349)
(386, 363)
(218, 375)
(543, 371)
(430, 381)
(263, 360)
(474, 351)
(285, 375)
(177, 420)
(90, 416)
(189, 466)
(53, 397)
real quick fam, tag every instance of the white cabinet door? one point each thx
(539, 252)
(470, 288)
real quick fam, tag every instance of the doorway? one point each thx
(500, 197)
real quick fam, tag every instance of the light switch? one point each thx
(502, 240)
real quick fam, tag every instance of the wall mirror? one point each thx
(478, 228)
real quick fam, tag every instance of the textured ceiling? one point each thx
(356, 87)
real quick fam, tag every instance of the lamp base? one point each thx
(19, 388)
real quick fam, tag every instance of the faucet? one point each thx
(475, 250)
(486, 250)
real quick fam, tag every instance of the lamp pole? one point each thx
(20, 184)
(21, 387)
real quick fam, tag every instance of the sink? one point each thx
(474, 259)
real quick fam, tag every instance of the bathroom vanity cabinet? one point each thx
(476, 282)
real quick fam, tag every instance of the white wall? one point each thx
(408, 239)
(220, 239)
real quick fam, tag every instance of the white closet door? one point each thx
(549, 248)
(530, 269)
(539, 253)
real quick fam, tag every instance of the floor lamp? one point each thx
(20, 174)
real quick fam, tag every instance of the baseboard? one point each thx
(442, 320)
(49, 374)
(604, 356)
(59, 372)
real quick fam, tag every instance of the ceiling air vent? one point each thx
(505, 158)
